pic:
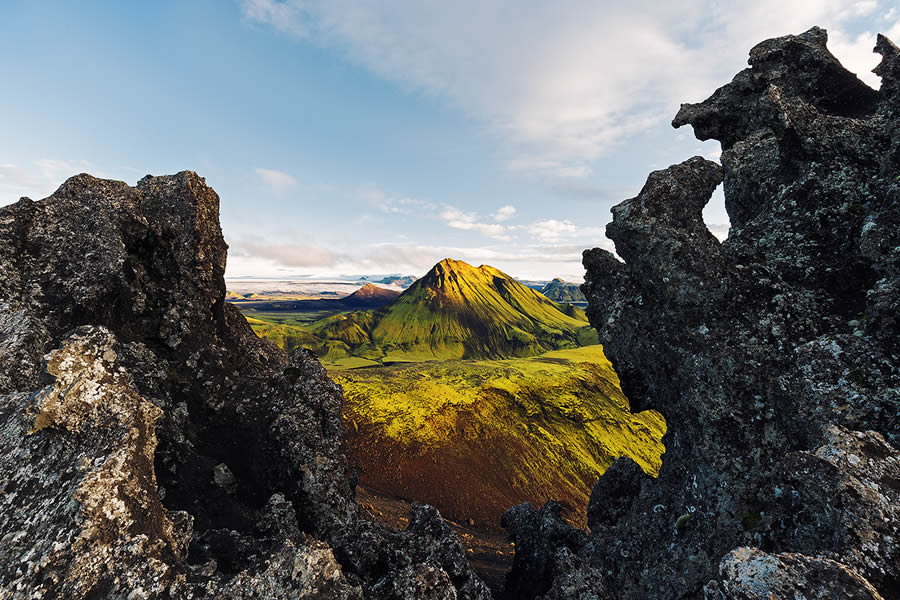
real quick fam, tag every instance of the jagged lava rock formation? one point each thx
(773, 355)
(151, 445)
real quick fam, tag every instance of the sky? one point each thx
(349, 138)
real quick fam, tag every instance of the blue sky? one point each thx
(375, 137)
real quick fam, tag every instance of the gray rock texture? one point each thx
(151, 446)
(774, 355)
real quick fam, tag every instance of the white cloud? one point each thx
(547, 231)
(552, 230)
(458, 219)
(532, 261)
(563, 85)
(283, 16)
(505, 213)
(277, 181)
(16, 176)
(856, 52)
(573, 171)
(286, 254)
(550, 168)
(373, 195)
(863, 8)
(857, 55)
(38, 179)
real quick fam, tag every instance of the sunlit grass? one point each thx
(535, 413)
(537, 428)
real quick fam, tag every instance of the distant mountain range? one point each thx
(564, 291)
(403, 281)
(456, 311)
(368, 296)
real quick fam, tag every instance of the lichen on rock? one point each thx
(773, 356)
(151, 445)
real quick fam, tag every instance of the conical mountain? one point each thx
(456, 311)
(370, 296)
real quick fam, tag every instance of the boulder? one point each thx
(773, 355)
(151, 445)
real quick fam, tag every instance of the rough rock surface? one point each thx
(150, 445)
(773, 355)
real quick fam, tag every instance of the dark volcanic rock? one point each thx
(150, 444)
(774, 356)
(751, 574)
(539, 536)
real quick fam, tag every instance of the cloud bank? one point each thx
(277, 181)
(564, 85)
(274, 259)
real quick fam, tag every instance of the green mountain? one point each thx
(563, 291)
(502, 431)
(456, 311)
(475, 372)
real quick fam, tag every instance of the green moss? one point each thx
(587, 336)
(287, 337)
(351, 362)
(553, 422)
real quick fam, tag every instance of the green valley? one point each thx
(476, 437)
(472, 392)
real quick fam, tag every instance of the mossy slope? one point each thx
(527, 416)
(287, 337)
(475, 437)
(456, 311)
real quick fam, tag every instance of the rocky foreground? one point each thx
(773, 356)
(153, 447)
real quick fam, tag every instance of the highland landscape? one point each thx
(470, 391)
(708, 416)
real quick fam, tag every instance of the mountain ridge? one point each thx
(455, 311)
(403, 281)
(563, 291)
(370, 294)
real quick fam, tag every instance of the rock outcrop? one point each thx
(773, 355)
(150, 445)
